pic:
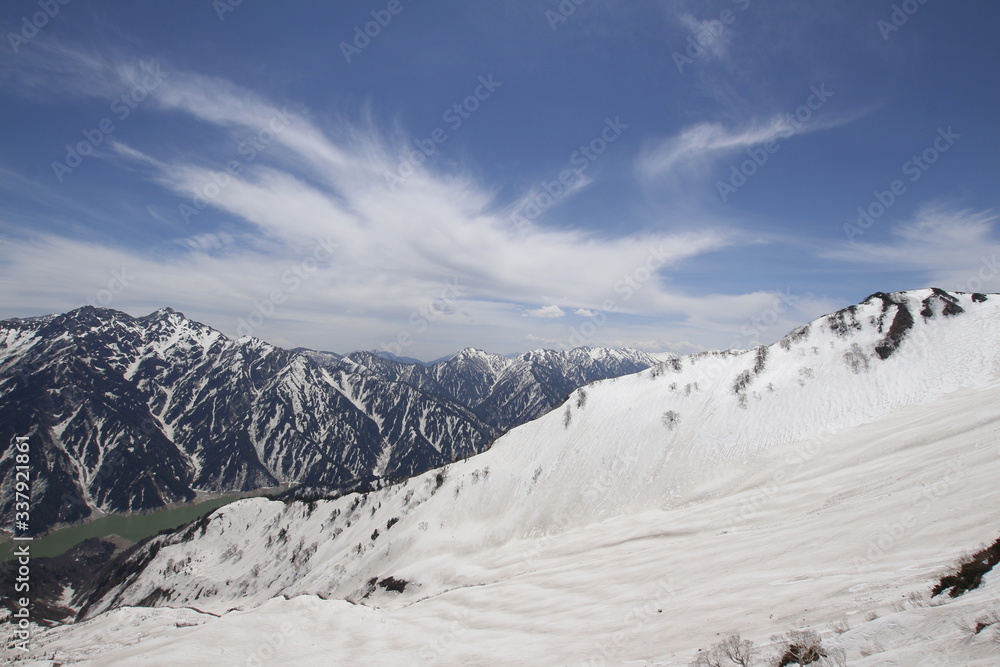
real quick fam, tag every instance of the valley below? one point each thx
(130, 528)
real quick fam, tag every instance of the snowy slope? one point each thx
(801, 484)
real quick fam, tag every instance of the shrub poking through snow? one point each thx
(982, 622)
(801, 647)
(986, 621)
(856, 359)
(970, 572)
(729, 652)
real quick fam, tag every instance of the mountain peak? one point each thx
(165, 313)
(470, 353)
(88, 310)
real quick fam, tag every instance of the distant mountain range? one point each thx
(128, 414)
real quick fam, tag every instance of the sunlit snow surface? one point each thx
(644, 519)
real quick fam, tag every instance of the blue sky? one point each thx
(424, 176)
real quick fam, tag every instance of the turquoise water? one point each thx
(134, 527)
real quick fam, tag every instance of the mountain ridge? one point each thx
(134, 413)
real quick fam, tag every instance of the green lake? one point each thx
(132, 527)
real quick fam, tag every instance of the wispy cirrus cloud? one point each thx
(389, 249)
(427, 226)
(700, 145)
(949, 246)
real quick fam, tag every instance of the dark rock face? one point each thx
(941, 302)
(902, 322)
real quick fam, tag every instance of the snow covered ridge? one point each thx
(129, 414)
(681, 434)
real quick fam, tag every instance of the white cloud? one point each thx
(545, 312)
(955, 249)
(584, 312)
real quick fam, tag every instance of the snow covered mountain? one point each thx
(134, 413)
(504, 391)
(805, 483)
